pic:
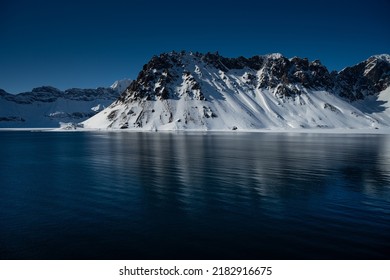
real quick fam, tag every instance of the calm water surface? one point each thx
(92, 195)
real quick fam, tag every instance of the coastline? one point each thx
(385, 131)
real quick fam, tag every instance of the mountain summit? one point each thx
(176, 91)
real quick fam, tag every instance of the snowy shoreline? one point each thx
(196, 131)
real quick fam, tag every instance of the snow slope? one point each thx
(192, 91)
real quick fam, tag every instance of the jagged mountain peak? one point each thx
(366, 78)
(191, 90)
(170, 59)
(383, 57)
(121, 85)
(274, 56)
(272, 71)
(375, 62)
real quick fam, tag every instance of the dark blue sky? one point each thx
(93, 43)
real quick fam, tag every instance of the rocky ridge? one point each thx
(274, 71)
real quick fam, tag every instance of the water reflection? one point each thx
(190, 195)
(272, 165)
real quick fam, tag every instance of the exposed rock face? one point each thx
(193, 90)
(364, 79)
(275, 72)
(152, 80)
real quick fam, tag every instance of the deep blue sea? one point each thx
(120, 195)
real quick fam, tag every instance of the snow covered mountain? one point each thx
(121, 85)
(177, 91)
(47, 106)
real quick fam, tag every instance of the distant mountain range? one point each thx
(48, 106)
(179, 91)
